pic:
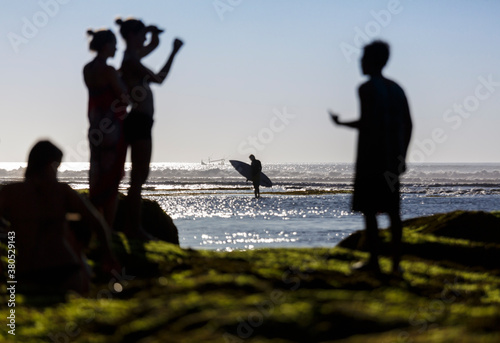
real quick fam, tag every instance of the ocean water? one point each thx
(308, 205)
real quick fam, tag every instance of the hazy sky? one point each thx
(259, 75)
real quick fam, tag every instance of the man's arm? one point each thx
(88, 213)
(96, 221)
(353, 124)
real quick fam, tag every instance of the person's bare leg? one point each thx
(372, 240)
(396, 237)
(109, 210)
(140, 156)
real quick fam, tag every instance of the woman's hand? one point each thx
(154, 29)
(177, 44)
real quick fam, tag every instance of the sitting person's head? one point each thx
(375, 56)
(43, 160)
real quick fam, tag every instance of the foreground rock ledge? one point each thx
(169, 294)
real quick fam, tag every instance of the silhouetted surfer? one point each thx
(384, 134)
(256, 170)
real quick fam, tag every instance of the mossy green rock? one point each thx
(154, 220)
(473, 226)
(471, 239)
(169, 294)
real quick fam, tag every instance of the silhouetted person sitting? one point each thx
(37, 210)
(139, 122)
(384, 134)
(256, 170)
(106, 113)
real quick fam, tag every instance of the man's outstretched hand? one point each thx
(335, 117)
(178, 44)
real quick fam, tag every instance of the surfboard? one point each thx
(246, 170)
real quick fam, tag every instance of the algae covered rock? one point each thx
(468, 238)
(473, 226)
(164, 293)
(154, 220)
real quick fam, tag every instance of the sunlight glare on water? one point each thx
(234, 221)
(213, 206)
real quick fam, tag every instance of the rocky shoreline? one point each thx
(450, 292)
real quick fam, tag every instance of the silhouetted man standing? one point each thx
(384, 134)
(256, 170)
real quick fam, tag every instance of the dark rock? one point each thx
(481, 229)
(154, 220)
(473, 226)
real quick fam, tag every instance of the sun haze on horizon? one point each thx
(258, 77)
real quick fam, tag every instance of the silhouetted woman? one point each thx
(47, 258)
(139, 121)
(106, 114)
